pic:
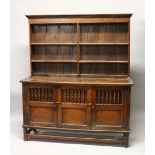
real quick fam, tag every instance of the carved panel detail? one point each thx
(74, 95)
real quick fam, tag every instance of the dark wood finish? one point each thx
(79, 89)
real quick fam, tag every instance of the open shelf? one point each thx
(92, 49)
(104, 33)
(104, 53)
(54, 68)
(104, 69)
(54, 33)
(53, 53)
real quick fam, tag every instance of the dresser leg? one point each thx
(25, 134)
(126, 143)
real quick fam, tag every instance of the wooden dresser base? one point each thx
(79, 111)
(98, 136)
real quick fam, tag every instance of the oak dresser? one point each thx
(80, 85)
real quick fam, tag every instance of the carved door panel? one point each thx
(74, 108)
(42, 105)
(110, 111)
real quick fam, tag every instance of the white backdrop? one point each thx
(20, 66)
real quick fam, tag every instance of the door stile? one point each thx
(59, 104)
(89, 107)
(93, 108)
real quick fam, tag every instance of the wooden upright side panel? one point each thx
(26, 110)
(127, 96)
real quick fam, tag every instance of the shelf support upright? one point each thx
(78, 50)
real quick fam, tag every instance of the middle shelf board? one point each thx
(40, 43)
(44, 43)
(80, 75)
(101, 61)
(64, 61)
(80, 61)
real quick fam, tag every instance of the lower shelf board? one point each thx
(83, 136)
(79, 139)
(77, 130)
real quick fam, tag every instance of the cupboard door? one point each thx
(110, 110)
(74, 108)
(42, 106)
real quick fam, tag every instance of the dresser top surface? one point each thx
(81, 81)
